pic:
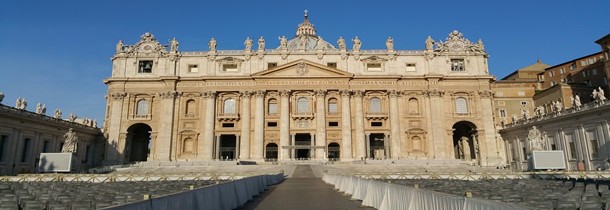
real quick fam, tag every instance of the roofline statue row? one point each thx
(305, 40)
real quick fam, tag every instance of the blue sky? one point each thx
(58, 52)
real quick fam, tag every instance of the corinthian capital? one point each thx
(485, 93)
(358, 93)
(284, 93)
(117, 96)
(393, 93)
(259, 93)
(168, 94)
(345, 93)
(320, 93)
(209, 94)
(246, 94)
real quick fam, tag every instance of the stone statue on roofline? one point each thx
(357, 44)
(283, 43)
(57, 114)
(341, 43)
(248, 44)
(70, 142)
(601, 95)
(389, 43)
(41, 108)
(429, 44)
(261, 44)
(1, 96)
(119, 47)
(212, 45)
(72, 117)
(173, 45)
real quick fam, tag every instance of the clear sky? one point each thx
(58, 52)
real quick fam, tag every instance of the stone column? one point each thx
(311, 144)
(284, 124)
(164, 139)
(217, 150)
(368, 146)
(113, 156)
(439, 143)
(320, 123)
(237, 146)
(244, 149)
(207, 141)
(386, 147)
(259, 125)
(394, 125)
(488, 150)
(359, 121)
(292, 151)
(346, 127)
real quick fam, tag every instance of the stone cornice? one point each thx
(21, 115)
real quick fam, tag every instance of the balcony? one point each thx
(302, 116)
(376, 116)
(141, 117)
(227, 117)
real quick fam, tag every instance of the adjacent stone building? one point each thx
(306, 99)
(25, 134)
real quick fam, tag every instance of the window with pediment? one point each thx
(332, 106)
(272, 106)
(229, 106)
(375, 105)
(303, 105)
(142, 107)
(461, 105)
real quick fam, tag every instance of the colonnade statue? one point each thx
(70, 142)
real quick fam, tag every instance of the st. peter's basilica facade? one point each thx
(307, 99)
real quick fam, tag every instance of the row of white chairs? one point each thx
(387, 196)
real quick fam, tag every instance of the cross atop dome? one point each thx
(306, 28)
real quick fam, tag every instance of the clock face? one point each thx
(456, 46)
(147, 48)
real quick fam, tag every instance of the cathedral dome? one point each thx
(306, 38)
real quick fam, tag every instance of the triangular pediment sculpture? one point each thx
(302, 69)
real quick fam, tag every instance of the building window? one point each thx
(228, 125)
(594, 72)
(302, 105)
(229, 67)
(26, 149)
(573, 66)
(332, 106)
(457, 65)
(376, 124)
(45, 146)
(271, 65)
(3, 140)
(553, 83)
(551, 74)
(413, 106)
(272, 106)
(502, 113)
(375, 105)
(193, 68)
(562, 70)
(145, 66)
(332, 65)
(411, 67)
(229, 106)
(523, 103)
(190, 107)
(593, 147)
(333, 124)
(142, 107)
(271, 124)
(373, 66)
(461, 106)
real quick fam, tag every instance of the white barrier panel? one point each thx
(223, 196)
(385, 196)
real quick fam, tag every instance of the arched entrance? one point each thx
(271, 152)
(377, 147)
(228, 144)
(333, 151)
(138, 144)
(465, 143)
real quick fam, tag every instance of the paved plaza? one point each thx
(303, 190)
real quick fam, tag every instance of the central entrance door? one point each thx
(377, 146)
(302, 141)
(227, 147)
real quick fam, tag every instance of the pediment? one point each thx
(302, 69)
